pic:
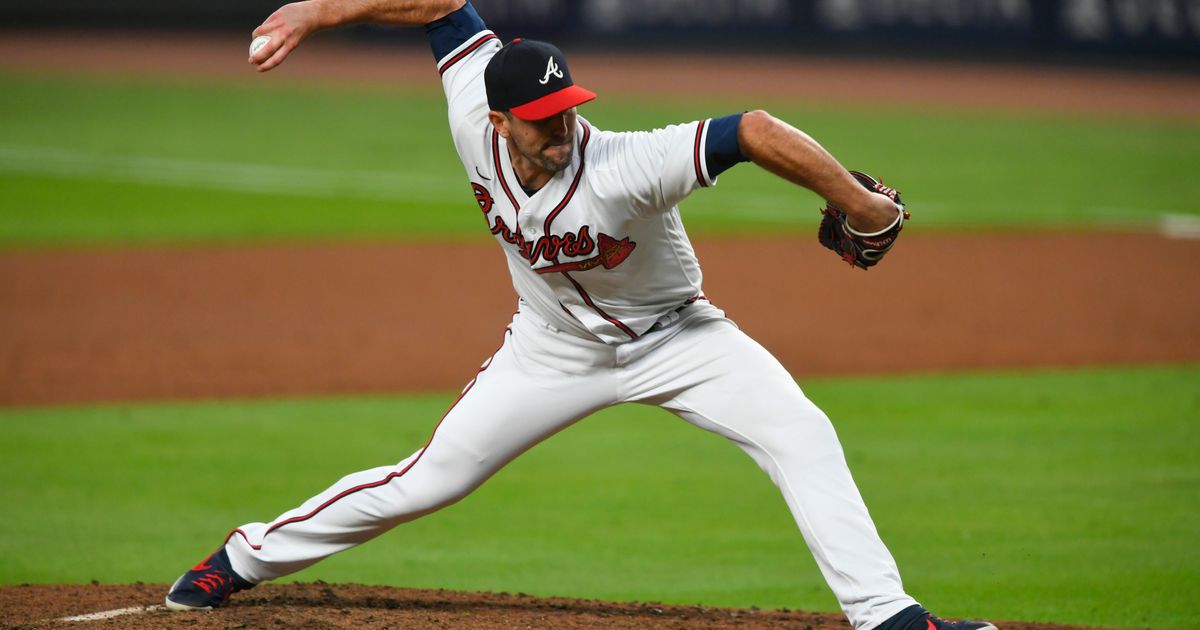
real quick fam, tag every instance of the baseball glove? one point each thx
(860, 249)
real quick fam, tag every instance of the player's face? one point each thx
(548, 143)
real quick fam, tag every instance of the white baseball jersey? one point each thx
(600, 248)
(599, 257)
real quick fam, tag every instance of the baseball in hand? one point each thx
(258, 43)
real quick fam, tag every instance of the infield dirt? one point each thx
(328, 606)
(199, 322)
(170, 323)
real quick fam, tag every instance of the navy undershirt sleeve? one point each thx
(451, 31)
(721, 150)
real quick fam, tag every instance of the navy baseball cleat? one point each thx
(916, 618)
(207, 585)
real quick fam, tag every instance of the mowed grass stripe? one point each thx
(85, 158)
(1053, 496)
(291, 181)
(269, 179)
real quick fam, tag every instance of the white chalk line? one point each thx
(233, 176)
(118, 612)
(1183, 226)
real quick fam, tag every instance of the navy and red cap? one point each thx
(530, 79)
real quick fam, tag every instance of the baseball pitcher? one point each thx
(611, 309)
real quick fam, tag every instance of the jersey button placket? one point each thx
(529, 223)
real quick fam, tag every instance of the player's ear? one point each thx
(500, 122)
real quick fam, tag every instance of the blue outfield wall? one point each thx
(1158, 31)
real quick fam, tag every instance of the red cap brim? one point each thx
(553, 103)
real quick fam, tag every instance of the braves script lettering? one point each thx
(550, 246)
(483, 198)
(612, 253)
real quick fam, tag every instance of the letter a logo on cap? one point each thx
(518, 79)
(551, 69)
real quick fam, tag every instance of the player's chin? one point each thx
(557, 157)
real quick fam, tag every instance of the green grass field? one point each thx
(1054, 496)
(92, 160)
(1064, 496)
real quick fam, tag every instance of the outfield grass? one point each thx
(1057, 496)
(102, 160)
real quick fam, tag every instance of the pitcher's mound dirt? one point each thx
(322, 605)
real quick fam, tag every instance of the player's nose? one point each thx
(559, 125)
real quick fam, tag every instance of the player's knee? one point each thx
(794, 431)
(441, 481)
(435, 496)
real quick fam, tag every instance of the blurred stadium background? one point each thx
(166, 283)
(1151, 31)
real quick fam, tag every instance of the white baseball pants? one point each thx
(698, 366)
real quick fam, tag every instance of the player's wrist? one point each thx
(330, 14)
(871, 214)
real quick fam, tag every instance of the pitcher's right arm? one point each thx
(292, 23)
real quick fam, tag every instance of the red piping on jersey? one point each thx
(696, 154)
(500, 174)
(570, 191)
(385, 480)
(587, 134)
(587, 299)
(470, 49)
